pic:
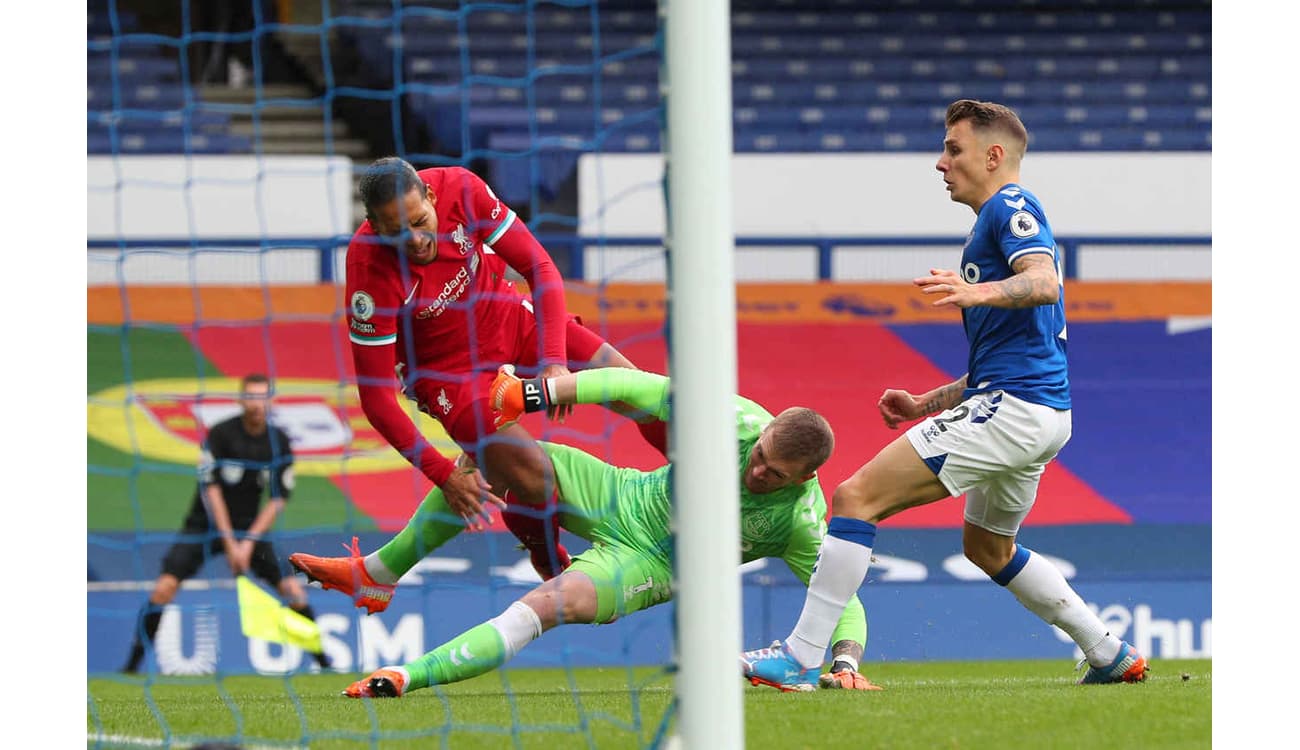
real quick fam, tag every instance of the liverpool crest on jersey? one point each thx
(462, 240)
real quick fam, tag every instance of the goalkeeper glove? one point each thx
(845, 676)
(510, 397)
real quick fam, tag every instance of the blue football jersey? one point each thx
(1019, 351)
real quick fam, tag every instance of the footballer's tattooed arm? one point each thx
(943, 397)
(1034, 283)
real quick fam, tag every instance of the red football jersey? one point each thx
(465, 279)
(444, 315)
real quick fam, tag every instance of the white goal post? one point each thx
(702, 363)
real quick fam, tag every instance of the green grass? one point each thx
(1030, 704)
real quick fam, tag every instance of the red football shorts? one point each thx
(461, 404)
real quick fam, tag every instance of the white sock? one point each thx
(378, 571)
(841, 567)
(519, 626)
(1042, 589)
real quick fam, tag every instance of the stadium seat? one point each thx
(811, 75)
(168, 143)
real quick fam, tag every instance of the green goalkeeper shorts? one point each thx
(626, 579)
(623, 512)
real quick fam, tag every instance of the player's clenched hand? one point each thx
(465, 491)
(898, 406)
(847, 680)
(556, 411)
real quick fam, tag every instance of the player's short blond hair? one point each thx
(799, 433)
(990, 117)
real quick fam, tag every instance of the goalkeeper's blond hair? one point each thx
(801, 433)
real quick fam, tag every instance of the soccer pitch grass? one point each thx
(1034, 704)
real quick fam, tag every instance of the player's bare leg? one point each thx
(521, 473)
(896, 479)
(1041, 588)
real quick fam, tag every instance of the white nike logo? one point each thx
(411, 296)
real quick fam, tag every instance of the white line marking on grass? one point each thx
(122, 740)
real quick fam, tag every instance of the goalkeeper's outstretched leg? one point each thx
(569, 598)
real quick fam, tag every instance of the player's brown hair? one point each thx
(989, 116)
(801, 433)
(386, 180)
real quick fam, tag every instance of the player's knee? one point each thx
(987, 559)
(567, 599)
(580, 603)
(608, 356)
(851, 500)
(521, 470)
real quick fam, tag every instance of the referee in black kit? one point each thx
(241, 457)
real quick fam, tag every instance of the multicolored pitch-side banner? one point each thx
(887, 303)
(923, 600)
(832, 347)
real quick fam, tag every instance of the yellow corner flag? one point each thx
(262, 616)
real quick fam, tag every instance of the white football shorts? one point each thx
(993, 447)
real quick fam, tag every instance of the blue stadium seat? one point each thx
(99, 22)
(447, 65)
(136, 122)
(772, 140)
(808, 75)
(140, 96)
(168, 143)
(513, 157)
(1119, 139)
(132, 71)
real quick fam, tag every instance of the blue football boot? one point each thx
(1128, 666)
(775, 667)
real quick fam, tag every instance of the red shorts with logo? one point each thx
(461, 404)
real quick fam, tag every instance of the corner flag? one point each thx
(262, 616)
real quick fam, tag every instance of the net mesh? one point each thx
(224, 141)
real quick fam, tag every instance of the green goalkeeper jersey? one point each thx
(635, 507)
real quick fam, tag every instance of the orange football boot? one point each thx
(348, 575)
(384, 682)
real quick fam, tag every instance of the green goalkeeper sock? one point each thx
(476, 651)
(432, 524)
